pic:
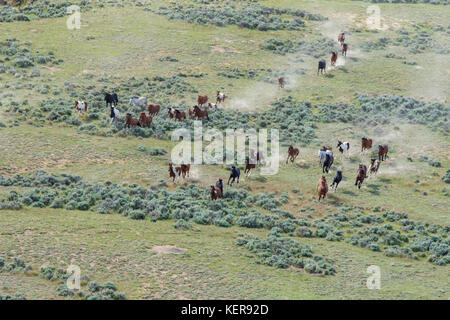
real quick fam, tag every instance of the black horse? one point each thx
(321, 67)
(219, 184)
(337, 179)
(111, 98)
(235, 173)
(327, 163)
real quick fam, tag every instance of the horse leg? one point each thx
(228, 183)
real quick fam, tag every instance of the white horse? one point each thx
(114, 114)
(138, 101)
(343, 146)
(212, 106)
(322, 154)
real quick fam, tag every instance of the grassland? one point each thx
(120, 42)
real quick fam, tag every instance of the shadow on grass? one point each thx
(373, 189)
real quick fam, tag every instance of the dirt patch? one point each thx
(168, 249)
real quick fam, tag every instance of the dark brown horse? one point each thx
(199, 113)
(344, 49)
(145, 120)
(366, 143)
(153, 109)
(216, 193)
(281, 82)
(130, 121)
(179, 114)
(361, 175)
(333, 58)
(185, 168)
(322, 187)
(382, 152)
(292, 153)
(248, 167)
(202, 99)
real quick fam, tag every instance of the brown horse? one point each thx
(281, 82)
(185, 168)
(248, 167)
(374, 166)
(341, 37)
(199, 113)
(333, 58)
(202, 99)
(361, 175)
(174, 172)
(179, 114)
(220, 97)
(382, 152)
(216, 193)
(145, 120)
(131, 121)
(81, 105)
(153, 109)
(322, 187)
(366, 143)
(292, 154)
(191, 113)
(344, 49)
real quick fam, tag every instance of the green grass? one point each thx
(129, 42)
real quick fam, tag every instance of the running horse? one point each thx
(344, 49)
(341, 37)
(322, 187)
(81, 105)
(216, 193)
(333, 58)
(366, 143)
(382, 152)
(361, 175)
(281, 82)
(199, 113)
(292, 154)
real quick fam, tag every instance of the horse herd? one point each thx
(322, 65)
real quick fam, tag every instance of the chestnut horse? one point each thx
(191, 113)
(382, 152)
(361, 175)
(202, 99)
(216, 193)
(341, 37)
(292, 154)
(374, 166)
(131, 121)
(179, 114)
(145, 120)
(199, 113)
(185, 168)
(220, 97)
(333, 58)
(281, 82)
(366, 143)
(153, 109)
(322, 187)
(248, 167)
(344, 49)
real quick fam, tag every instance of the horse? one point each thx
(344, 49)
(322, 67)
(382, 152)
(202, 99)
(114, 114)
(336, 180)
(170, 112)
(179, 114)
(374, 166)
(185, 168)
(174, 172)
(111, 99)
(292, 154)
(322, 187)
(281, 82)
(342, 146)
(138, 101)
(333, 58)
(235, 173)
(322, 154)
(131, 121)
(328, 162)
(219, 184)
(216, 193)
(153, 109)
(199, 113)
(341, 37)
(248, 167)
(191, 113)
(145, 120)
(220, 97)
(361, 175)
(81, 105)
(212, 106)
(366, 143)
